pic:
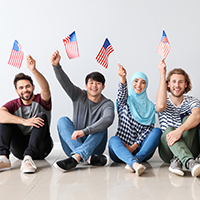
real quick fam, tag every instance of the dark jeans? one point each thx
(38, 144)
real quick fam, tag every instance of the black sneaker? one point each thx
(66, 164)
(98, 160)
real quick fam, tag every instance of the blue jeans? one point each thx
(119, 153)
(84, 146)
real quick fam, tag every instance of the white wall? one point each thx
(133, 27)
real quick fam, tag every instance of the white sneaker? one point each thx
(5, 166)
(140, 169)
(129, 168)
(194, 167)
(28, 166)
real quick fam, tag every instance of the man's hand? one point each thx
(55, 58)
(77, 134)
(34, 121)
(30, 63)
(173, 136)
(162, 67)
(131, 148)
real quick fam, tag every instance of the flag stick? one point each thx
(60, 47)
(24, 51)
(116, 57)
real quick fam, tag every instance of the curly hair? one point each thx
(180, 71)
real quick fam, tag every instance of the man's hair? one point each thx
(180, 71)
(95, 76)
(22, 76)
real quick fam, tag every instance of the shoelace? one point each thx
(30, 161)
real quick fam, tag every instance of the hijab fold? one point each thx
(142, 109)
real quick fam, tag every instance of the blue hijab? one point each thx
(142, 109)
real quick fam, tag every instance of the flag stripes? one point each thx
(163, 49)
(71, 46)
(16, 55)
(102, 57)
(164, 46)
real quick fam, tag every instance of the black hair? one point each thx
(95, 76)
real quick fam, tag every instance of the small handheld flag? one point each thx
(106, 50)
(71, 46)
(164, 46)
(16, 55)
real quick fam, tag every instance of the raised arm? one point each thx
(44, 86)
(122, 73)
(73, 91)
(161, 99)
(55, 58)
(122, 93)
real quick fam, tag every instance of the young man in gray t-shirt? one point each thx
(85, 138)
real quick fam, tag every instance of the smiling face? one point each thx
(177, 85)
(138, 85)
(25, 90)
(94, 89)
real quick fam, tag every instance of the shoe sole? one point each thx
(57, 167)
(5, 169)
(128, 167)
(140, 170)
(107, 160)
(196, 171)
(177, 172)
(28, 171)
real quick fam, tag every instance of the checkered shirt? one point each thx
(129, 130)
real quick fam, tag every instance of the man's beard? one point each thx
(27, 99)
(179, 95)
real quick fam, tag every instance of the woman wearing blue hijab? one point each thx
(136, 138)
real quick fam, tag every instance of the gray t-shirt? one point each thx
(88, 116)
(38, 105)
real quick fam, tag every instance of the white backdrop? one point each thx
(133, 27)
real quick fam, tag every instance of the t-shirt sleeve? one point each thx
(12, 105)
(194, 103)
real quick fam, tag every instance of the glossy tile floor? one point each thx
(87, 182)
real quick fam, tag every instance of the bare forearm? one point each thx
(123, 80)
(45, 91)
(40, 80)
(7, 118)
(161, 98)
(192, 121)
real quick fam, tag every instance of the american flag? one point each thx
(16, 55)
(164, 46)
(71, 46)
(106, 50)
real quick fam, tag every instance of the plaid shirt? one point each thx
(129, 130)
